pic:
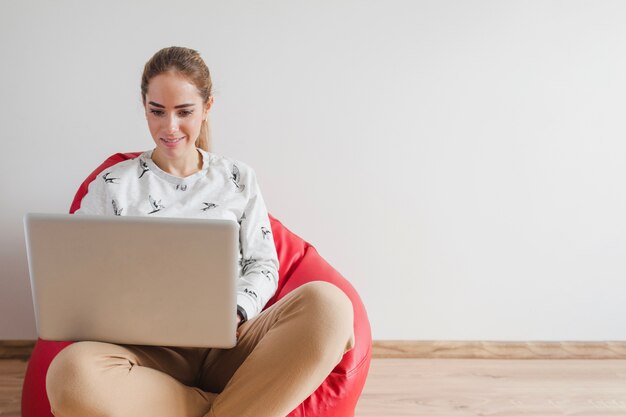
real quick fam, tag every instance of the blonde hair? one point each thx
(188, 63)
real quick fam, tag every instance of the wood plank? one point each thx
(16, 349)
(497, 350)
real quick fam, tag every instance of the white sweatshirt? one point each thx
(222, 189)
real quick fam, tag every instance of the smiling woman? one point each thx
(285, 350)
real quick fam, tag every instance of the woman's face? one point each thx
(175, 111)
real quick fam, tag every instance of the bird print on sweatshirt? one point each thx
(181, 187)
(266, 232)
(267, 274)
(156, 205)
(117, 210)
(245, 263)
(236, 178)
(144, 167)
(109, 180)
(252, 293)
(208, 206)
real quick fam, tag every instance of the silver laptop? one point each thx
(134, 280)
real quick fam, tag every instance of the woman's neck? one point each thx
(182, 167)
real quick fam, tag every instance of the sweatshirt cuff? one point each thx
(245, 306)
(243, 314)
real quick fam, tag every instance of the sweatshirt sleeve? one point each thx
(259, 261)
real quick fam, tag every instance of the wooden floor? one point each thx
(494, 387)
(457, 387)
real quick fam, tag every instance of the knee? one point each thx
(330, 308)
(324, 296)
(70, 377)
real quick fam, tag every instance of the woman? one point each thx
(283, 353)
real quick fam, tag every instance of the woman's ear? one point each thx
(207, 107)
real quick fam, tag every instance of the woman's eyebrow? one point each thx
(176, 107)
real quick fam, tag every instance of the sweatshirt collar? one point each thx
(146, 157)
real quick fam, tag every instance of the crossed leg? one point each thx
(281, 357)
(103, 380)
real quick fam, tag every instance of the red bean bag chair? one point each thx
(299, 263)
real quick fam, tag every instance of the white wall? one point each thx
(461, 162)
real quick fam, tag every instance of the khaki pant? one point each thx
(281, 357)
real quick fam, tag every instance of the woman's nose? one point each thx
(172, 124)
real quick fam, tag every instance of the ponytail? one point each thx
(203, 142)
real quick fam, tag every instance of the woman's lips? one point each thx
(171, 141)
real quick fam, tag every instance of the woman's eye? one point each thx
(157, 112)
(185, 113)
